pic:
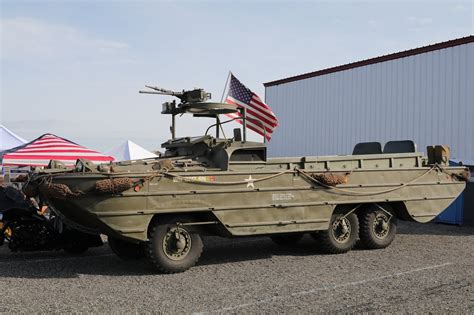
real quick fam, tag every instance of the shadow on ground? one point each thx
(101, 261)
(218, 251)
(413, 228)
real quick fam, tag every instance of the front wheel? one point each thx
(377, 228)
(341, 235)
(173, 248)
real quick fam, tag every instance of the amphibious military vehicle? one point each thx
(213, 185)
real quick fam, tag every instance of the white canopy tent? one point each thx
(8, 139)
(129, 150)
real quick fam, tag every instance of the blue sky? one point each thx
(74, 68)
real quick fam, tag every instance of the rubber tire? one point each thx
(287, 239)
(157, 257)
(126, 250)
(76, 250)
(368, 240)
(328, 244)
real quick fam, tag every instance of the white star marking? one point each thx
(250, 181)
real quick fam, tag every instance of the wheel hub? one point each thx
(177, 243)
(341, 229)
(180, 243)
(381, 225)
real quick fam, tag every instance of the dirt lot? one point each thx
(427, 268)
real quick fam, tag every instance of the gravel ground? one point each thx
(428, 268)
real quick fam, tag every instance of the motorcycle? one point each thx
(24, 226)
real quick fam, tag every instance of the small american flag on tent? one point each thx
(260, 118)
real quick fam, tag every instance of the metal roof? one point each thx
(397, 55)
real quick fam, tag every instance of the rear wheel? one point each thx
(377, 228)
(126, 250)
(173, 248)
(286, 239)
(341, 235)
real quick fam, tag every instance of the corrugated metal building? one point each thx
(424, 94)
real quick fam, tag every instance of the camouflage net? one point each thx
(166, 165)
(114, 186)
(464, 176)
(57, 191)
(331, 179)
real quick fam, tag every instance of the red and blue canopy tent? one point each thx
(42, 150)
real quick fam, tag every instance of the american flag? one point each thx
(260, 118)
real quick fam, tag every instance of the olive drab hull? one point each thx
(275, 196)
(211, 185)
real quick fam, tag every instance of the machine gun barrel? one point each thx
(163, 91)
(191, 96)
(152, 92)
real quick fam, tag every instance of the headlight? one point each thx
(1, 216)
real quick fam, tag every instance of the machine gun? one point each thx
(194, 102)
(191, 96)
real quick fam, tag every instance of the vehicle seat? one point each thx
(367, 148)
(402, 146)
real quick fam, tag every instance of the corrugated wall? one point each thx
(428, 98)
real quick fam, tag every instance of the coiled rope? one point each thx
(308, 176)
(367, 193)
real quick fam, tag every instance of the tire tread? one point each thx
(151, 257)
(327, 245)
(365, 233)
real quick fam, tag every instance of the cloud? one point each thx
(27, 37)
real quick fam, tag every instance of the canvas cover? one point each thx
(51, 147)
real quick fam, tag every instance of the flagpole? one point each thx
(225, 86)
(218, 123)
